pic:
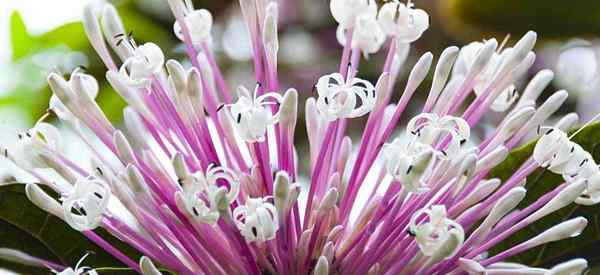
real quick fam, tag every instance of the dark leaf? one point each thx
(473, 19)
(27, 228)
(540, 182)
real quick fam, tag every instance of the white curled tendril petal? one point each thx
(257, 220)
(85, 205)
(199, 23)
(430, 235)
(252, 114)
(138, 69)
(200, 193)
(402, 21)
(339, 98)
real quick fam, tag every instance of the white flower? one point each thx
(403, 21)
(199, 22)
(257, 220)
(200, 193)
(90, 86)
(368, 35)
(147, 60)
(345, 12)
(553, 150)
(338, 98)
(431, 235)
(408, 164)
(467, 56)
(78, 270)
(556, 152)
(252, 114)
(429, 128)
(84, 206)
(25, 152)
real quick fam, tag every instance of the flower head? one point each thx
(201, 183)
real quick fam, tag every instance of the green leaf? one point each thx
(27, 228)
(473, 19)
(540, 182)
(21, 41)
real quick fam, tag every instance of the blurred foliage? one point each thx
(539, 183)
(34, 98)
(469, 19)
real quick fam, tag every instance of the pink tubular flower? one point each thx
(204, 183)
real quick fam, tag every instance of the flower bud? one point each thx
(16, 256)
(281, 192)
(562, 199)
(575, 266)
(535, 87)
(442, 71)
(568, 229)
(124, 150)
(328, 202)
(288, 111)
(177, 76)
(114, 32)
(269, 32)
(136, 180)
(322, 266)
(491, 159)
(418, 72)
(148, 267)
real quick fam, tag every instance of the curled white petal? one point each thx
(257, 220)
(85, 205)
(408, 164)
(200, 193)
(403, 21)
(78, 270)
(345, 12)
(430, 235)
(429, 128)
(252, 114)
(147, 60)
(25, 152)
(368, 35)
(338, 98)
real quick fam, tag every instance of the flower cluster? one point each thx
(202, 183)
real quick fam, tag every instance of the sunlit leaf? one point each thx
(21, 41)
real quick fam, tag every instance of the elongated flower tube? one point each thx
(202, 182)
